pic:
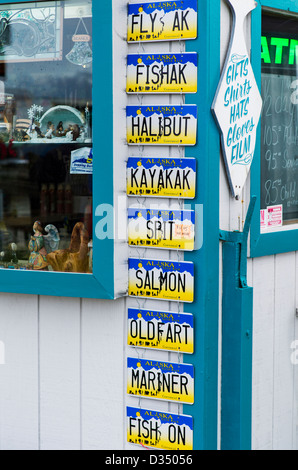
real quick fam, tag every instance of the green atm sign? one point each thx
(279, 51)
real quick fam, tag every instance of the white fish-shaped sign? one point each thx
(238, 103)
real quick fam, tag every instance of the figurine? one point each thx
(38, 256)
(75, 258)
(52, 238)
(60, 130)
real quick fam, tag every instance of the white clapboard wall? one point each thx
(63, 384)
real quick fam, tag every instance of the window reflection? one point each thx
(46, 136)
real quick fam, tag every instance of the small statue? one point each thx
(38, 257)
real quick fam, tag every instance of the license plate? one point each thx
(160, 380)
(162, 21)
(162, 73)
(160, 430)
(158, 279)
(162, 125)
(162, 177)
(161, 330)
(168, 229)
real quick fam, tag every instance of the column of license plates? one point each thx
(159, 179)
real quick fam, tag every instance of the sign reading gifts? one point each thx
(162, 73)
(161, 330)
(169, 229)
(238, 104)
(162, 21)
(163, 177)
(160, 380)
(159, 430)
(165, 280)
(162, 125)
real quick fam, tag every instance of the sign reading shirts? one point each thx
(159, 430)
(162, 73)
(161, 330)
(162, 21)
(163, 177)
(165, 280)
(238, 103)
(162, 125)
(169, 229)
(160, 380)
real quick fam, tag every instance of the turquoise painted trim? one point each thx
(101, 284)
(237, 331)
(205, 307)
(237, 328)
(272, 243)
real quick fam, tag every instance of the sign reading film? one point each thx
(160, 380)
(162, 21)
(161, 330)
(168, 229)
(162, 73)
(158, 279)
(162, 125)
(163, 177)
(166, 431)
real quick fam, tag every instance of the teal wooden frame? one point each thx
(206, 260)
(278, 242)
(101, 283)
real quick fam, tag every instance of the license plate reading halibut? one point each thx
(160, 380)
(162, 125)
(163, 177)
(160, 430)
(162, 21)
(165, 280)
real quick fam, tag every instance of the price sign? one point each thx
(165, 280)
(160, 380)
(162, 21)
(162, 125)
(162, 73)
(163, 177)
(159, 430)
(161, 330)
(167, 229)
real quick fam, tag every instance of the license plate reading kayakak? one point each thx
(162, 177)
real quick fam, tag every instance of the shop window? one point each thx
(46, 136)
(279, 128)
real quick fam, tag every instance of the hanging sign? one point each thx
(162, 125)
(162, 73)
(238, 103)
(162, 21)
(160, 380)
(163, 177)
(165, 280)
(161, 330)
(160, 430)
(169, 229)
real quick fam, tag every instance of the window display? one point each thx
(46, 136)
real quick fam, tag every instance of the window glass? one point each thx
(46, 136)
(279, 144)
